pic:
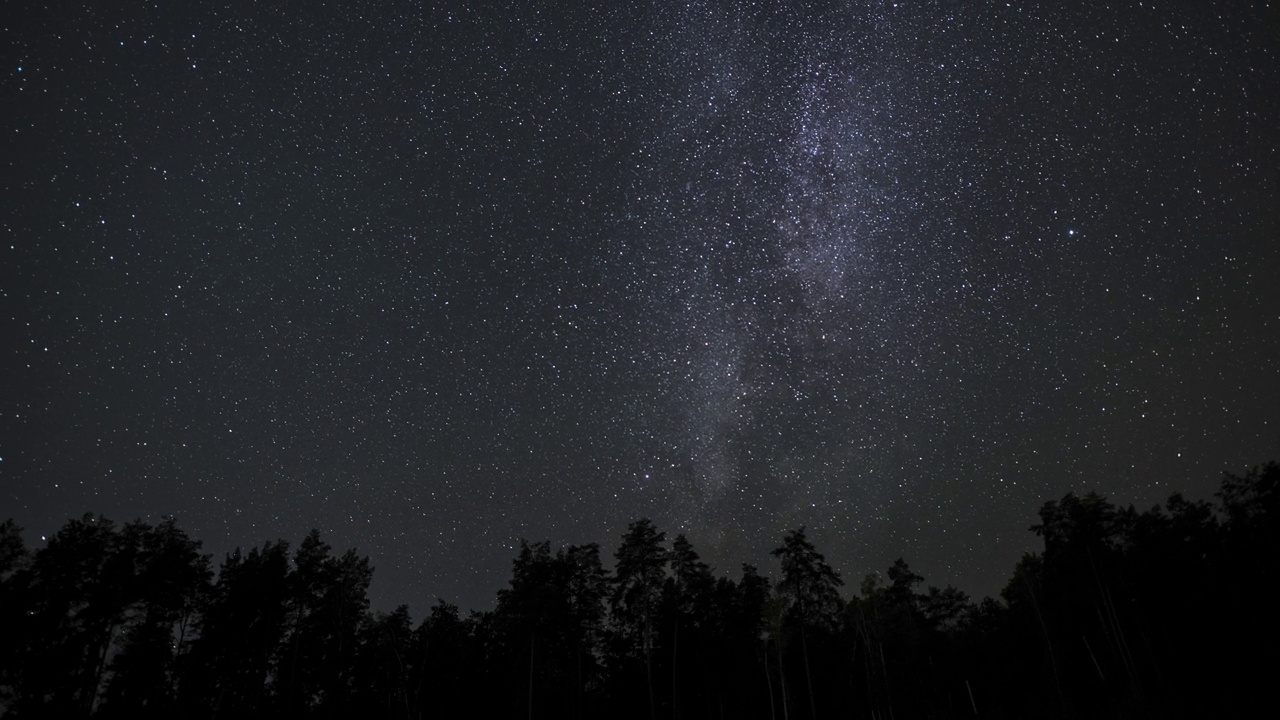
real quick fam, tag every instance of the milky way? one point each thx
(433, 279)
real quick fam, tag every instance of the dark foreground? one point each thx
(1124, 614)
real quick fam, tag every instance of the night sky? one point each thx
(434, 279)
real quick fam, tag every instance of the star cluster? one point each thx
(433, 278)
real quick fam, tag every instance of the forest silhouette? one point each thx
(1124, 613)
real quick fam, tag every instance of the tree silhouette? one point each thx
(688, 594)
(1124, 613)
(535, 610)
(328, 600)
(449, 661)
(81, 585)
(739, 641)
(588, 587)
(172, 579)
(14, 558)
(637, 594)
(241, 632)
(812, 590)
(546, 624)
(383, 666)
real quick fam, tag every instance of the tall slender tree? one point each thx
(689, 590)
(812, 589)
(328, 604)
(81, 586)
(588, 587)
(532, 606)
(637, 593)
(383, 665)
(173, 577)
(241, 631)
(14, 558)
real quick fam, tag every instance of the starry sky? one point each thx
(433, 278)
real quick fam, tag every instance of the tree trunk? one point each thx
(808, 677)
(422, 678)
(675, 690)
(578, 692)
(768, 683)
(531, 638)
(177, 653)
(404, 680)
(99, 670)
(648, 674)
(709, 685)
(1044, 628)
(888, 690)
(871, 692)
(782, 680)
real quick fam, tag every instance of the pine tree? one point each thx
(811, 587)
(638, 580)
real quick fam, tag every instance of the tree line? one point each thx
(1124, 613)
